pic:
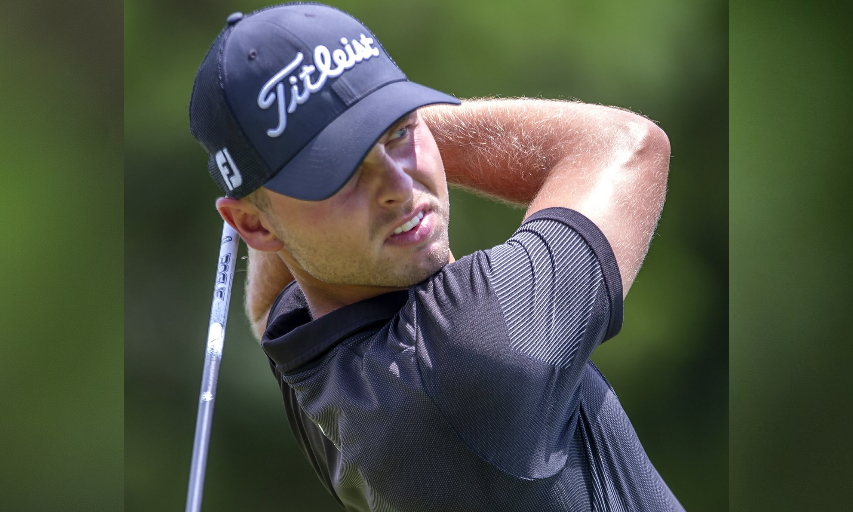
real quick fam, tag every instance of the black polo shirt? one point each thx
(473, 390)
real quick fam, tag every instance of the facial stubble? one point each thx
(327, 262)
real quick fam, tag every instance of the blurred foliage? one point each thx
(666, 59)
(61, 430)
(791, 383)
(60, 321)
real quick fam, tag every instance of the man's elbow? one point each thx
(255, 313)
(654, 148)
(259, 325)
(648, 150)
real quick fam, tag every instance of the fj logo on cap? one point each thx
(229, 170)
(353, 52)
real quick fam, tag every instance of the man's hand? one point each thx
(609, 164)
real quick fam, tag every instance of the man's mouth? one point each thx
(409, 225)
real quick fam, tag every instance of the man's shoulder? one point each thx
(542, 237)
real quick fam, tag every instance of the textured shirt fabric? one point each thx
(473, 390)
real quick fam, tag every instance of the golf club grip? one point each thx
(212, 356)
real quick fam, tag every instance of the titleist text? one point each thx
(272, 92)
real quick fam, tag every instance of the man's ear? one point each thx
(247, 220)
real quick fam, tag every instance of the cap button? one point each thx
(234, 18)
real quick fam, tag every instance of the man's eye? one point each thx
(399, 134)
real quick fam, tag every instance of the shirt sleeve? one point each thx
(503, 337)
(558, 285)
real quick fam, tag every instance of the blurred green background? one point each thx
(791, 384)
(666, 59)
(64, 417)
(61, 425)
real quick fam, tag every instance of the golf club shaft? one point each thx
(212, 357)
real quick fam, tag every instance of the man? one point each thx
(412, 381)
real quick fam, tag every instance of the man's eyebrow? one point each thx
(408, 118)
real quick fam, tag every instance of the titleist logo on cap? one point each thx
(352, 53)
(298, 93)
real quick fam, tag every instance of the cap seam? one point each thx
(223, 77)
(274, 172)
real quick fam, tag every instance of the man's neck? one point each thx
(324, 298)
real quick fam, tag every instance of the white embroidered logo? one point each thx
(352, 53)
(229, 170)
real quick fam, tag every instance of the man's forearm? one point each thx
(609, 164)
(506, 148)
(484, 150)
(266, 276)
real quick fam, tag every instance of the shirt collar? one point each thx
(294, 338)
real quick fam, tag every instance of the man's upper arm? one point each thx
(621, 190)
(609, 164)
(559, 287)
(504, 337)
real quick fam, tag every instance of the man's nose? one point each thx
(393, 184)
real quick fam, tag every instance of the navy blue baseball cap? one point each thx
(293, 97)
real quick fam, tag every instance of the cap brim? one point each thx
(328, 161)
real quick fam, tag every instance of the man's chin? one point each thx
(434, 265)
(435, 261)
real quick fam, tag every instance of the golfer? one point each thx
(414, 381)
